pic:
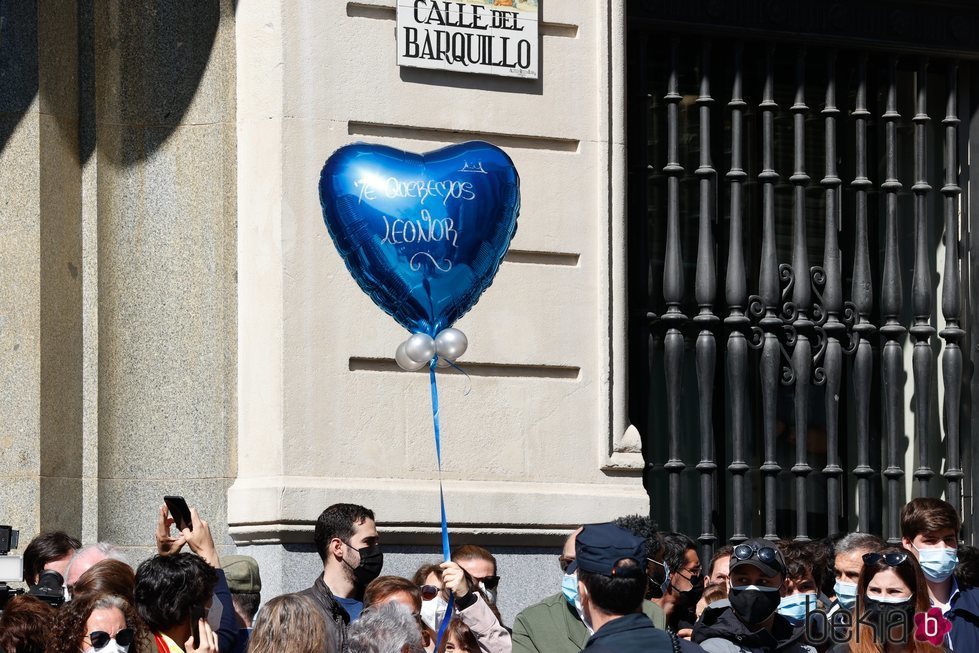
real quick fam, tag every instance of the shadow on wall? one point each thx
(146, 58)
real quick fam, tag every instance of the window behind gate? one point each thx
(800, 361)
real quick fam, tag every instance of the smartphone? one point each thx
(196, 614)
(179, 511)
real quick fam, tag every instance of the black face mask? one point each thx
(371, 562)
(888, 615)
(753, 606)
(688, 598)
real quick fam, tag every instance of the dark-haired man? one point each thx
(611, 586)
(346, 539)
(174, 590)
(48, 551)
(930, 532)
(752, 622)
(685, 583)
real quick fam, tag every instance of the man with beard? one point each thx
(685, 583)
(346, 539)
(752, 622)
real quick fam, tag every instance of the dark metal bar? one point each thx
(801, 299)
(705, 291)
(673, 289)
(862, 291)
(770, 297)
(951, 298)
(891, 303)
(832, 306)
(921, 288)
(736, 294)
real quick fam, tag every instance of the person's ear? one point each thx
(336, 548)
(906, 543)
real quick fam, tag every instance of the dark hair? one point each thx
(45, 548)
(676, 545)
(463, 636)
(247, 602)
(107, 577)
(726, 550)
(927, 515)
(68, 631)
(384, 586)
(168, 587)
(473, 552)
(804, 559)
(644, 527)
(25, 625)
(338, 521)
(967, 571)
(423, 572)
(615, 594)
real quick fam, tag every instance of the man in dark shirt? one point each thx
(346, 539)
(611, 586)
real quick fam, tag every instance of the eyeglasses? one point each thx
(429, 592)
(565, 562)
(489, 582)
(100, 638)
(765, 554)
(893, 559)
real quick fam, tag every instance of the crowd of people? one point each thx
(623, 587)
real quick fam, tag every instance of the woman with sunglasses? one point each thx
(99, 623)
(890, 591)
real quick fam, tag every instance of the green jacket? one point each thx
(553, 626)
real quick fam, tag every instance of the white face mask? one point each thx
(433, 611)
(490, 593)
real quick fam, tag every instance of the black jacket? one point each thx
(627, 634)
(725, 625)
(333, 613)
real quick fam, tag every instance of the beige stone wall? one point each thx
(540, 443)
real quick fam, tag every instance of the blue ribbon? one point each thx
(445, 525)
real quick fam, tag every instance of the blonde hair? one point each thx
(293, 624)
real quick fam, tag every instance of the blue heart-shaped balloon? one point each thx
(422, 234)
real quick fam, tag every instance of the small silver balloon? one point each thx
(420, 348)
(404, 362)
(451, 344)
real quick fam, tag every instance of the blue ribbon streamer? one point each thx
(445, 524)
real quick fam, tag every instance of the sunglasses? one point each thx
(429, 592)
(565, 562)
(100, 638)
(489, 582)
(765, 554)
(891, 559)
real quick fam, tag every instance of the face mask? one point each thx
(371, 561)
(111, 647)
(794, 607)
(580, 608)
(688, 598)
(657, 588)
(937, 564)
(885, 610)
(846, 594)
(752, 603)
(569, 587)
(433, 611)
(490, 593)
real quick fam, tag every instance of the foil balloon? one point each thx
(422, 234)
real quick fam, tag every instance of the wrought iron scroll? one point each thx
(951, 300)
(922, 295)
(891, 303)
(705, 290)
(673, 317)
(736, 294)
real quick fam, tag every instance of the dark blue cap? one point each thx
(600, 547)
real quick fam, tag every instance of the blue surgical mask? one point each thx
(846, 594)
(937, 564)
(793, 607)
(569, 587)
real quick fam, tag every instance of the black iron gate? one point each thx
(798, 247)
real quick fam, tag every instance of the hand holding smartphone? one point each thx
(180, 512)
